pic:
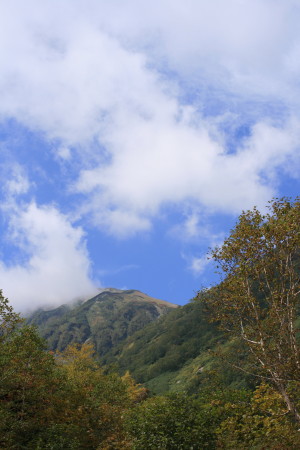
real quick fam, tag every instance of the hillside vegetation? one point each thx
(104, 320)
(66, 401)
(165, 347)
(157, 354)
(174, 348)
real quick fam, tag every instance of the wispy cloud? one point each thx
(199, 264)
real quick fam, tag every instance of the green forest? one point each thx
(222, 372)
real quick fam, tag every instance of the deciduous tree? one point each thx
(259, 297)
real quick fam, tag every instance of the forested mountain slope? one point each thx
(178, 352)
(104, 320)
(168, 348)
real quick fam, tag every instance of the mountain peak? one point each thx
(105, 320)
(111, 289)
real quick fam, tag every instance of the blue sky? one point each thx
(132, 135)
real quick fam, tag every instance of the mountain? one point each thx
(181, 351)
(105, 320)
(170, 353)
(166, 347)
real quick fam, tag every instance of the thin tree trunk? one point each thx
(289, 402)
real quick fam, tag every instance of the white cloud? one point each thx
(17, 182)
(173, 163)
(198, 265)
(95, 75)
(238, 45)
(57, 267)
(192, 229)
(64, 153)
(196, 228)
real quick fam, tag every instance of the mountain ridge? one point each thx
(166, 347)
(105, 319)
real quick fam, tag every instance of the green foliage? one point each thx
(217, 418)
(105, 320)
(30, 386)
(57, 401)
(171, 422)
(261, 423)
(166, 354)
(67, 401)
(179, 352)
(258, 299)
(9, 320)
(165, 346)
(98, 400)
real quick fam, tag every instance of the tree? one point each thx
(98, 401)
(61, 401)
(259, 296)
(9, 320)
(30, 383)
(259, 423)
(174, 421)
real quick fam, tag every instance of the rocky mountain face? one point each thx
(104, 320)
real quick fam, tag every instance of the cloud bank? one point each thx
(56, 267)
(146, 106)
